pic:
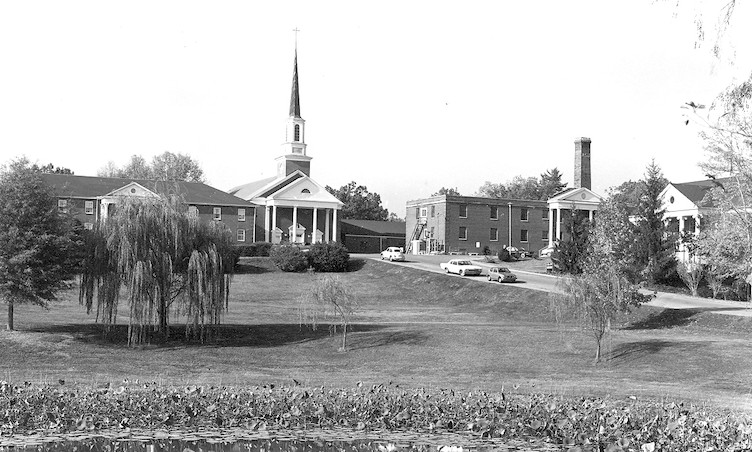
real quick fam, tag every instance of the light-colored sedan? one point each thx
(393, 253)
(461, 267)
(501, 274)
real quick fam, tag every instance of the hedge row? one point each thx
(321, 257)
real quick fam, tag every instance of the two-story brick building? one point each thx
(469, 224)
(472, 224)
(92, 199)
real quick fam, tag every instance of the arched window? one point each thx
(305, 191)
(297, 132)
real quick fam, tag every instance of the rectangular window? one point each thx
(463, 233)
(62, 205)
(494, 212)
(523, 235)
(417, 213)
(463, 210)
(494, 236)
(431, 232)
(241, 235)
(192, 212)
(433, 211)
(544, 236)
(423, 212)
(545, 214)
(217, 213)
(89, 207)
(241, 214)
(89, 226)
(523, 213)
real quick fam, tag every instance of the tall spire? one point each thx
(295, 96)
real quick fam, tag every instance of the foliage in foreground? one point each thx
(588, 423)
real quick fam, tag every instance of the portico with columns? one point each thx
(292, 207)
(565, 203)
(684, 205)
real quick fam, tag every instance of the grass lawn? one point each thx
(414, 329)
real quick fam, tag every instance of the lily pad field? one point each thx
(427, 352)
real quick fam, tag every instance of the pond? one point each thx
(254, 441)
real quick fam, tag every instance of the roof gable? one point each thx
(576, 195)
(132, 189)
(304, 189)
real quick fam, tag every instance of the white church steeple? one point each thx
(294, 156)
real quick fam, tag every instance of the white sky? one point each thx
(403, 97)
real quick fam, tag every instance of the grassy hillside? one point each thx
(414, 329)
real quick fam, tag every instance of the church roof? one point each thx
(245, 191)
(295, 95)
(71, 186)
(696, 191)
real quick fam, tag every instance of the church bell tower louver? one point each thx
(294, 155)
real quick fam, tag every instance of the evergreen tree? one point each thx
(655, 249)
(570, 252)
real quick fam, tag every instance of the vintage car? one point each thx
(393, 253)
(501, 274)
(462, 267)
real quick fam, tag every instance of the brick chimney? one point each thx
(582, 163)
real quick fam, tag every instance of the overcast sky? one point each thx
(402, 97)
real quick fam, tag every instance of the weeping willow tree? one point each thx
(163, 262)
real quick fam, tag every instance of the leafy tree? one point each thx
(394, 217)
(330, 298)
(38, 246)
(166, 262)
(359, 203)
(596, 296)
(550, 184)
(691, 273)
(167, 166)
(447, 191)
(654, 246)
(51, 169)
(521, 187)
(492, 190)
(627, 196)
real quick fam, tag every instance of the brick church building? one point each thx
(291, 207)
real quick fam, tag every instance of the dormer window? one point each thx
(297, 132)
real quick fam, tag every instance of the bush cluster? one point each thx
(328, 257)
(575, 423)
(255, 249)
(289, 258)
(321, 257)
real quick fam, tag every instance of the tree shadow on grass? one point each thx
(667, 318)
(245, 268)
(233, 335)
(355, 264)
(634, 351)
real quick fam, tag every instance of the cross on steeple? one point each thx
(296, 30)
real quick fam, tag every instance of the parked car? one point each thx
(501, 274)
(462, 267)
(546, 251)
(393, 253)
(514, 253)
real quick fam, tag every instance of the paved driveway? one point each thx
(547, 283)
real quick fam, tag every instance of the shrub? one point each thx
(504, 255)
(328, 257)
(254, 249)
(289, 258)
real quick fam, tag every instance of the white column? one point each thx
(315, 224)
(681, 224)
(326, 231)
(294, 238)
(266, 224)
(334, 225)
(550, 226)
(697, 224)
(274, 217)
(558, 223)
(590, 215)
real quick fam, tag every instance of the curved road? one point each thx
(547, 283)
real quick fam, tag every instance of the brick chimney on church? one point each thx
(582, 163)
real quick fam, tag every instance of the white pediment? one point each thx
(132, 189)
(578, 195)
(304, 192)
(676, 203)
